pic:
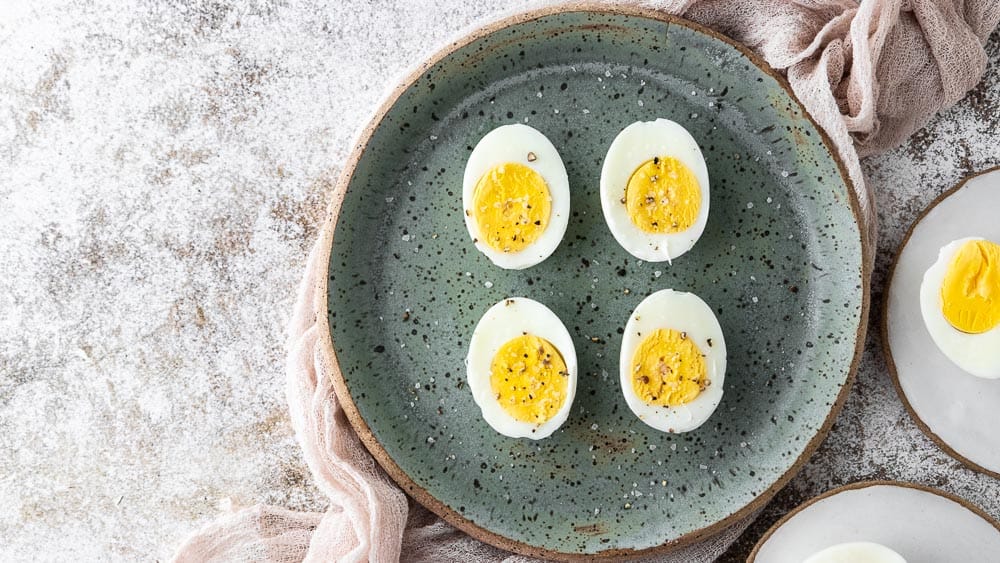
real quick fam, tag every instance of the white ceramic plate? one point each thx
(959, 411)
(921, 524)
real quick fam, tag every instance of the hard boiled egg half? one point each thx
(516, 197)
(522, 369)
(960, 304)
(673, 361)
(654, 190)
(856, 552)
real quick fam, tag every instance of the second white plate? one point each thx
(919, 523)
(957, 410)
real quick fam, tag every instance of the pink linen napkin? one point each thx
(870, 75)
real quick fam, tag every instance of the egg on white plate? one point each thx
(654, 190)
(522, 369)
(673, 361)
(515, 196)
(960, 304)
(856, 552)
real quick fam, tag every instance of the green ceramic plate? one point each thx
(780, 262)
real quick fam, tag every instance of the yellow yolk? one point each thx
(970, 293)
(663, 196)
(511, 207)
(668, 369)
(529, 379)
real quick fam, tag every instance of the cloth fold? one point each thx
(869, 74)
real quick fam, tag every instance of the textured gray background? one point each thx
(163, 170)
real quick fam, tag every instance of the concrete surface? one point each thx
(163, 169)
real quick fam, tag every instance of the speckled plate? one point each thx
(918, 522)
(957, 410)
(780, 262)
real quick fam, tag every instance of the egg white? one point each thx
(977, 354)
(503, 322)
(636, 144)
(512, 143)
(683, 312)
(856, 552)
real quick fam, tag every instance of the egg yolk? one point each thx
(529, 379)
(511, 206)
(970, 293)
(668, 369)
(663, 196)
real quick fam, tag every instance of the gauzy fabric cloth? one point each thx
(870, 74)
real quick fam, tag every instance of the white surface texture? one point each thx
(163, 170)
(922, 527)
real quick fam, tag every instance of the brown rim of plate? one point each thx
(361, 427)
(864, 485)
(884, 330)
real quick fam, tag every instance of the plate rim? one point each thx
(858, 485)
(361, 427)
(884, 327)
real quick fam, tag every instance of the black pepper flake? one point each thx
(656, 160)
(532, 157)
(709, 342)
(379, 349)
(406, 316)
